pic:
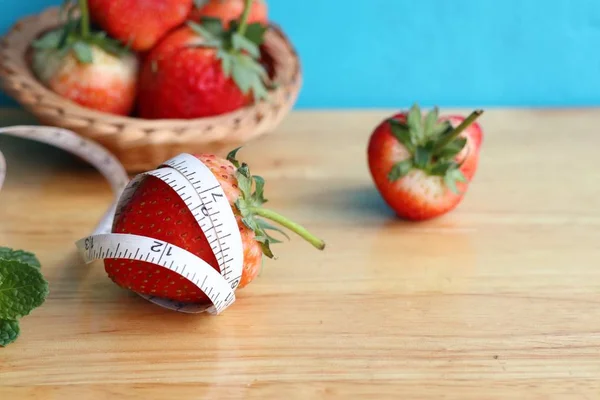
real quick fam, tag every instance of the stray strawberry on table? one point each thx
(422, 165)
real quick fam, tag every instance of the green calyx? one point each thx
(432, 144)
(254, 215)
(77, 36)
(238, 48)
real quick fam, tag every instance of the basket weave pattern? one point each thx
(142, 144)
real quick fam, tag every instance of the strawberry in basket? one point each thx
(202, 70)
(85, 66)
(139, 23)
(230, 10)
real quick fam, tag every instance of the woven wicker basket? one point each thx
(142, 144)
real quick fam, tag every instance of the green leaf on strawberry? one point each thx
(22, 289)
(433, 145)
(76, 36)
(400, 169)
(238, 49)
(250, 204)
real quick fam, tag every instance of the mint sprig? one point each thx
(23, 288)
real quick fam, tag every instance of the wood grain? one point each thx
(499, 299)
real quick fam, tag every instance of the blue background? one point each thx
(391, 53)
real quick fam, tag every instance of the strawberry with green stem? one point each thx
(85, 66)
(157, 211)
(230, 10)
(202, 70)
(422, 165)
(139, 23)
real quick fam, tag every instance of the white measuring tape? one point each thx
(198, 188)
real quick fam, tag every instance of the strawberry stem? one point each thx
(457, 131)
(85, 18)
(245, 16)
(294, 227)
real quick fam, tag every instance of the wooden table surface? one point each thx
(499, 299)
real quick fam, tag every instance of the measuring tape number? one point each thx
(201, 192)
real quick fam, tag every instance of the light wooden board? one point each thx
(499, 299)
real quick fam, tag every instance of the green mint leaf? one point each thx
(9, 331)
(401, 132)
(431, 121)
(22, 289)
(255, 33)
(240, 42)
(200, 3)
(19, 255)
(83, 52)
(452, 148)
(415, 121)
(422, 156)
(212, 25)
(400, 170)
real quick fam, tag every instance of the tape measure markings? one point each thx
(199, 189)
(231, 254)
(167, 255)
(182, 186)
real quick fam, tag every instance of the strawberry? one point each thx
(139, 23)
(230, 10)
(422, 166)
(202, 70)
(86, 67)
(157, 211)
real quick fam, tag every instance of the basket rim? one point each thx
(15, 32)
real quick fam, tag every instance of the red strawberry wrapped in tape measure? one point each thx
(157, 211)
(423, 165)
